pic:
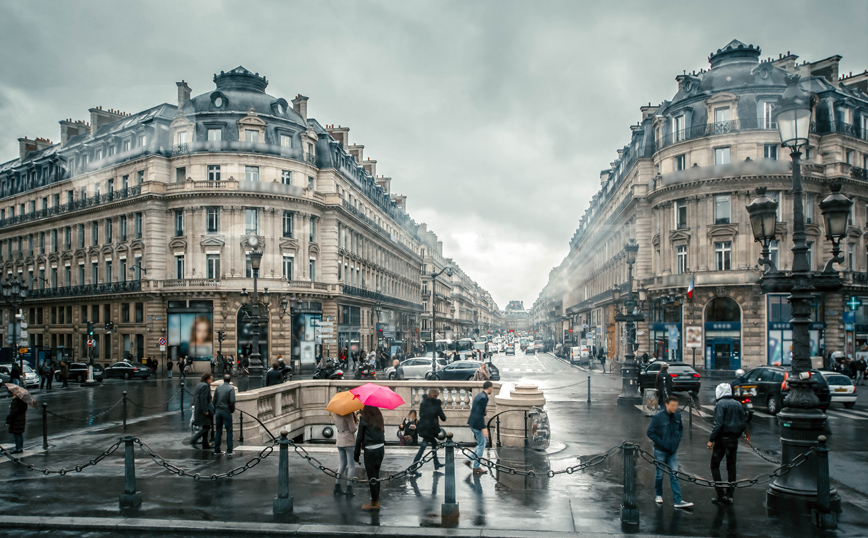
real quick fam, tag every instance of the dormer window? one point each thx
(678, 129)
(285, 141)
(215, 135)
(251, 135)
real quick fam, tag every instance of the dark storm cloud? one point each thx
(495, 118)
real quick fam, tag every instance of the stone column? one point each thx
(523, 397)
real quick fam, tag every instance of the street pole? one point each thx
(630, 371)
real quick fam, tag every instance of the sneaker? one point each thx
(218, 451)
(684, 504)
(658, 499)
(467, 463)
(721, 500)
(230, 453)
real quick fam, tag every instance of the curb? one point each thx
(124, 526)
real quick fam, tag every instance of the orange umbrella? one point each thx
(344, 403)
(21, 392)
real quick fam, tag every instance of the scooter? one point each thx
(365, 371)
(331, 371)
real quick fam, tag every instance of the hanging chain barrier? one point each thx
(88, 418)
(767, 455)
(566, 386)
(743, 483)
(63, 471)
(592, 461)
(174, 469)
(158, 406)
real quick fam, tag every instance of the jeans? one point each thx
(201, 434)
(860, 377)
(670, 459)
(19, 441)
(348, 465)
(223, 419)
(728, 447)
(427, 441)
(480, 446)
(170, 374)
(373, 461)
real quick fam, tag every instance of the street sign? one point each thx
(23, 324)
(693, 336)
(163, 348)
(162, 342)
(23, 350)
(90, 343)
(323, 323)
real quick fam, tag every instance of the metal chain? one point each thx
(567, 386)
(63, 471)
(174, 469)
(411, 470)
(743, 483)
(591, 462)
(87, 418)
(764, 454)
(158, 406)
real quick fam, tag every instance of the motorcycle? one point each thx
(365, 371)
(331, 371)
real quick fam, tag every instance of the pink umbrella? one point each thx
(378, 396)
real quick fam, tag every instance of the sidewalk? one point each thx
(587, 503)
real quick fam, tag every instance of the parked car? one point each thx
(684, 378)
(464, 371)
(415, 368)
(78, 372)
(29, 377)
(763, 386)
(127, 371)
(510, 349)
(841, 388)
(530, 350)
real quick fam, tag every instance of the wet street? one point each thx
(583, 502)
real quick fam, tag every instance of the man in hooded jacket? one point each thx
(730, 420)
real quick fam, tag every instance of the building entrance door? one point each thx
(722, 353)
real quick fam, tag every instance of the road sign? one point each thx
(23, 350)
(323, 332)
(163, 348)
(162, 342)
(693, 336)
(23, 324)
(91, 343)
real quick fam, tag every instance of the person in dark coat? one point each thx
(407, 434)
(372, 438)
(476, 421)
(204, 411)
(730, 420)
(274, 376)
(15, 374)
(663, 384)
(16, 420)
(428, 428)
(169, 366)
(64, 374)
(665, 432)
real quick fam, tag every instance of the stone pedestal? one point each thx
(511, 407)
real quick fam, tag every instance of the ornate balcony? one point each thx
(129, 286)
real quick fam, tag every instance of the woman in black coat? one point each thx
(371, 437)
(430, 413)
(663, 384)
(16, 420)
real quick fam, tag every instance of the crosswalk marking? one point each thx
(848, 411)
(841, 414)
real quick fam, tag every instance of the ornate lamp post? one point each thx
(448, 271)
(14, 293)
(257, 368)
(630, 371)
(801, 420)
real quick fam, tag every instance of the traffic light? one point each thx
(109, 326)
(90, 329)
(221, 335)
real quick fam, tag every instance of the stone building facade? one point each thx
(680, 188)
(143, 220)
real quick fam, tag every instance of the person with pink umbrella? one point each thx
(17, 417)
(372, 437)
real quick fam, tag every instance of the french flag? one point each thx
(690, 289)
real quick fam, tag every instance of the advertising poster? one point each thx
(193, 333)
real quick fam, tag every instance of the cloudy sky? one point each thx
(494, 118)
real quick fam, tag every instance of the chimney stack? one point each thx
(69, 129)
(100, 117)
(184, 92)
(299, 104)
(25, 146)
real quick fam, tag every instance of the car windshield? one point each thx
(28, 369)
(838, 380)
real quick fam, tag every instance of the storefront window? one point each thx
(723, 334)
(664, 331)
(780, 330)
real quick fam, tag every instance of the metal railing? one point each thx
(713, 129)
(128, 286)
(368, 294)
(83, 203)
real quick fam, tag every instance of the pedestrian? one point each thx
(16, 420)
(663, 384)
(43, 375)
(346, 442)
(860, 371)
(428, 427)
(181, 373)
(15, 374)
(399, 370)
(64, 374)
(285, 370)
(407, 434)
(213, 364)
(274, 376)
(169, 366)
(665, 432)
(372, 437)
(730, 421)
(51, 370)
(204, 411)
(477, 425)
(481, 373)
(224, 406)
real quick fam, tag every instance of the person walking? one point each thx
(372, 437)
(481, 373)
(15, 374)
(663, 384)
(224, 406)
(204, 411)
(274, 376)
(43, 375)
(860, 371)
(51, 370)
(17, 420)
(169, 366)
(665, 432)
(428, 428)
(64, 374)
(181, 374)
(730, 421)
(213, 364)
(346, 442)
(477, 426)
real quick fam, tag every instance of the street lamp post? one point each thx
(630, 371)
(257, 369)
(448, 271)
(14, 293)
(378, 308)
(801, 420)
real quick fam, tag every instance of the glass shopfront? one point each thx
(723, 334)
(780, 330)
(664, 330)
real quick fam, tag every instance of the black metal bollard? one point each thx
(629, 511)
(822, 516)
(125, 410)
(589, 389)
(241, 434)
(283, 502)
(498, 432)
(44, 426)
(526, 438)
(182, 399)
(130, 498)
(449, 509)
(690, 410)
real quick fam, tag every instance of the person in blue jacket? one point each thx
(665, 432)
